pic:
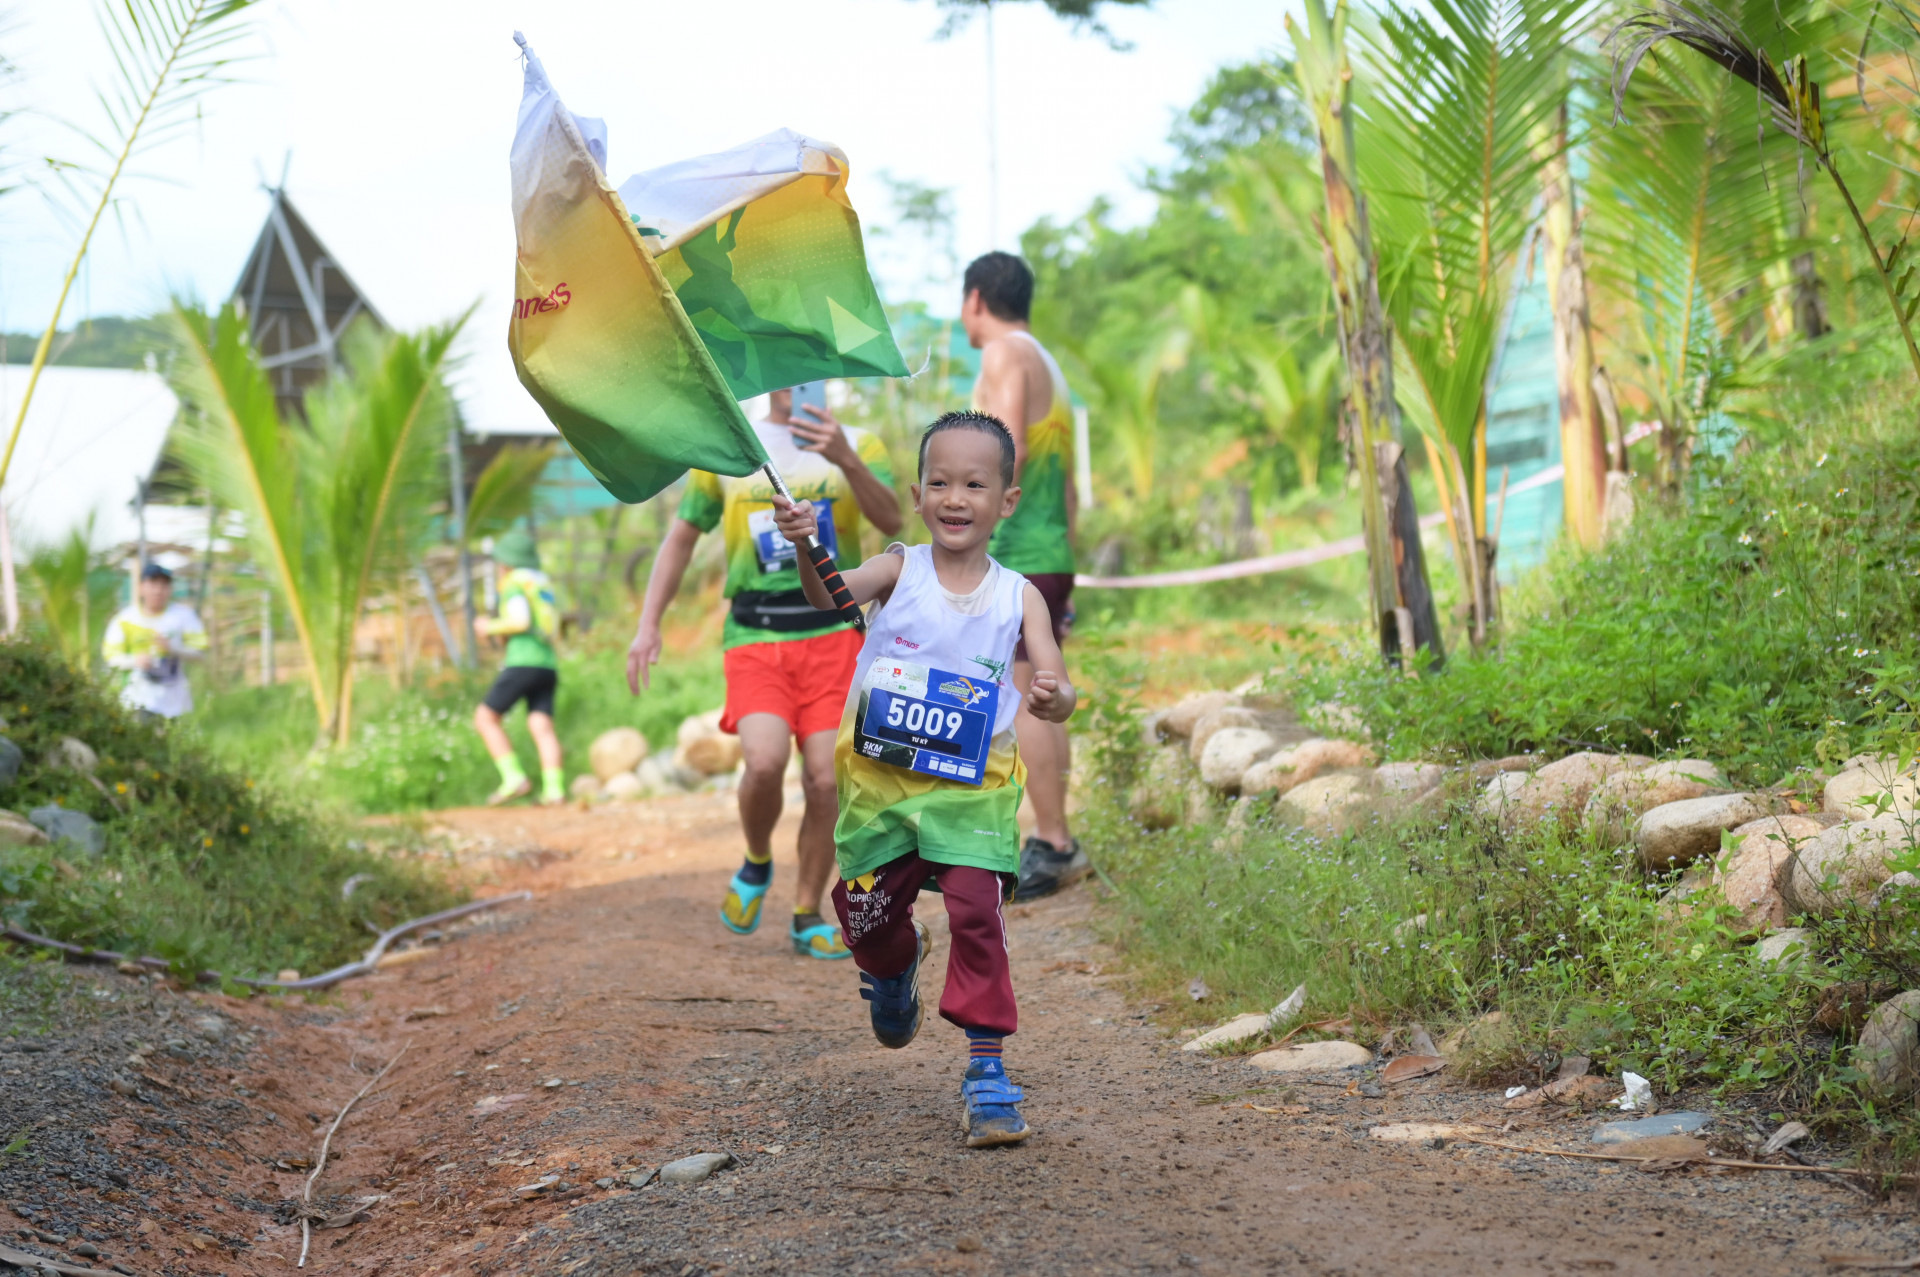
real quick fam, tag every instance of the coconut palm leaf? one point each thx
(166, 54)
(1791, 98)
(231, 438)
(503, 492)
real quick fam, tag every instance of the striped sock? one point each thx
(983, 1046)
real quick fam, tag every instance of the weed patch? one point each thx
(203, 865)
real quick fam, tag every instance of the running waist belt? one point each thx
(782, 611)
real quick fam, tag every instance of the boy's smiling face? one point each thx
(961, 495)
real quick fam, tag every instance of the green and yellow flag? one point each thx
(643, 315)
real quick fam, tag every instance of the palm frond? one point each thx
(165, 54)
(232, 438)
(503, 491)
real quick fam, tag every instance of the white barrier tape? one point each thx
(1312, 554)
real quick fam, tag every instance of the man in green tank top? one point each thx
(1021, 384)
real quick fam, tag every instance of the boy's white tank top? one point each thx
(917, 626)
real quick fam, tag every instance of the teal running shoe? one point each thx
(894, 1003)
(991, 1116)
(818, 939)
(740, 911)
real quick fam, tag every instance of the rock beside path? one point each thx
(1230, 752)
(1752, 877)
(18, 831)
(1853, 854)
(1295, 765)
(1219, 720)
(1619, 801)
(616, 750)
(1677, 834)
(1869, 784)
(1888, 1053)
(62, 825)
(1792, 945)
(1312, 1057)
(702, 747)
(691, 1170)
(1180, 721)
(1327, 805)
(1560, 790)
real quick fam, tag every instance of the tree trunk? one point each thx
(1414, 619)
(1320, 63)
(1582, 445)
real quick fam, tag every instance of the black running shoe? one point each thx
(1044, 868)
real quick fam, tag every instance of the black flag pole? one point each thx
(823, 563)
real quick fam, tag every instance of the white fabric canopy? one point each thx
(92, 436)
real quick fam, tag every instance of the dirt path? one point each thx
(612, 1025)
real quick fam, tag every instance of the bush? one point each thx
(202, 865)
(1769, 617)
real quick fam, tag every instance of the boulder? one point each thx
(1867, 786)
(1676, 834)
(1488, 768)
(1180, 721)
(1679, 900)
(1327, 805)
(1312, 1057)
(659, 774)
(1498, 797)
(616, 750)
(586, 787)
(18, 831)
(1158, 799)
(1621, 799)
(1297, 764)
(1219, 720)
(1888, 1053)
(1408, 780)
(1854, 854)
(623, 788)
(1752, 876)
(10, 760)
(702, 747)
(1896, 889)
(1229, 754)
(1150, 727)
(1793, 945)
(76, 827)
(1337, 719)
(73, 754)
(1561, 789)
(1240, 1028)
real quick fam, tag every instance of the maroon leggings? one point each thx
(878, 926)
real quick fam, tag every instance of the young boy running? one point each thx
(928, 767)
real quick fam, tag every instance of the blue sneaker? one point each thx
(740, 911)
(894, 1003)
(991, 1117)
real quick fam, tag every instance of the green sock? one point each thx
(553, 783)
(511, 773)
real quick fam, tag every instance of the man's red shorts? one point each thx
(804, 681)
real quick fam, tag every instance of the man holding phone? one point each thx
(787, 664)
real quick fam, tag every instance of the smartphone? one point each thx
(809, 394)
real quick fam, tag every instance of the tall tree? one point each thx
(1396, 572)
(1583, 448)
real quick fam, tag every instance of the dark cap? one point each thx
(154, 572)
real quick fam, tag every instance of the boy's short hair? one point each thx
(1005, 284)
(980, 422)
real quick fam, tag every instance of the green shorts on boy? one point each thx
(928, 770)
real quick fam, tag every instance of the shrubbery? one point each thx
(203, 865)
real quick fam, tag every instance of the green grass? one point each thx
(1766, 622)
(204, 865)
(415, 749)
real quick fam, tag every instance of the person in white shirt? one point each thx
(151, 639)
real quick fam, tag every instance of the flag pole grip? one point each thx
(823, 564)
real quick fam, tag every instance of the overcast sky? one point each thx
(397, 115)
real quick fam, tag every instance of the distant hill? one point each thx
(109, 341)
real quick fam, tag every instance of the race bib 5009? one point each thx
(927, 720)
